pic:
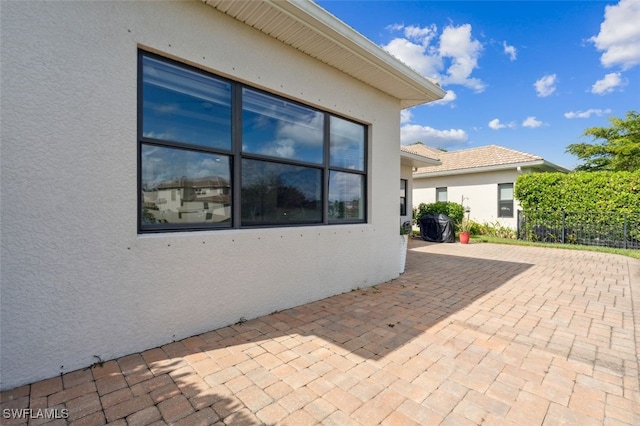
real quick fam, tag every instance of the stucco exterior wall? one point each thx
(77, 281)
(480, 192)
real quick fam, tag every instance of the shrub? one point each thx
(455, 211)
(566, 206)
(580, 192)
(496, 230)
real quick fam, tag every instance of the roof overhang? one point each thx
(529, 166)
(414, 160)
(309, 28)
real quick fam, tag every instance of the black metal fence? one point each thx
(620, 230)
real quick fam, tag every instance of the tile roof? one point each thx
(422, 150)
(417, 158)
(467, 159)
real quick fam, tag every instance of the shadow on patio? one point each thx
(235, 373)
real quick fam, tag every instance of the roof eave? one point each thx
(414, 160)
(321, 22)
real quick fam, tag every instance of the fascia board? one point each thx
(317, 18)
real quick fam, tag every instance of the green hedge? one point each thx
(580, 192)
(455, 211)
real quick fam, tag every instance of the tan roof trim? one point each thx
(309, 28)
(481, 159)
(537, 165)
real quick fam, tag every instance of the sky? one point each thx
(526, 75)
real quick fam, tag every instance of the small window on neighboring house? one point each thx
(441, 195)
(403, 197)
(505, 200)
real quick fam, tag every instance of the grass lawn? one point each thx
(486, 239)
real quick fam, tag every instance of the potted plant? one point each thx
(465, 231)
(404, 242)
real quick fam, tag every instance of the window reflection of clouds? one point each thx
(182, 80)
(347, 144)
(186, 106)
(278, 128)
(165, 164)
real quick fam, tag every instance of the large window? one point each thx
(214, 153)
(505, 200)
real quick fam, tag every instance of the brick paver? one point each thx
(470, 334)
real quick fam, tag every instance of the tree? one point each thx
(620, 149)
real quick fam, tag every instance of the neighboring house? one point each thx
(481, 179)
(195, 163)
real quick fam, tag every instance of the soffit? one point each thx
(312, 30)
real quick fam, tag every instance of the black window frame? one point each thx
(236, 156)
(503, 203)
(403, 196)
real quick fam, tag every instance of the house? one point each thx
(481, 179)
(195, 162)
(181, 200)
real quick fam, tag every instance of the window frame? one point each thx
(236, 156)
(502, 202)
(442, 190)
(403, 196)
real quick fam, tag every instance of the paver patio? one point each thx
(470, 334)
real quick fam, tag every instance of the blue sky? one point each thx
(527, 75)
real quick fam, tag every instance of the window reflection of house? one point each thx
(188, 201)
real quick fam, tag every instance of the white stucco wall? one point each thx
(480, 192)
(76, 278)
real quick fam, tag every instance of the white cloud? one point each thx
(449, 97)
(420, 58)
(411, 133)
(545, 86)
(423, 35)
(456, 43)
(510, 51)
(607, 84)
(405, 116)
(495, 124)
(619, 36)
(450, 58)
(588, 113)
(532, 122)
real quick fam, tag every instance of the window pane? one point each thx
(505, 209)
(346, 196)
(441, 195)
(185, 106)
(277, 128)
(505, 191)
(403, 197)
(187, 187)
(280, 193)
(347, 144)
